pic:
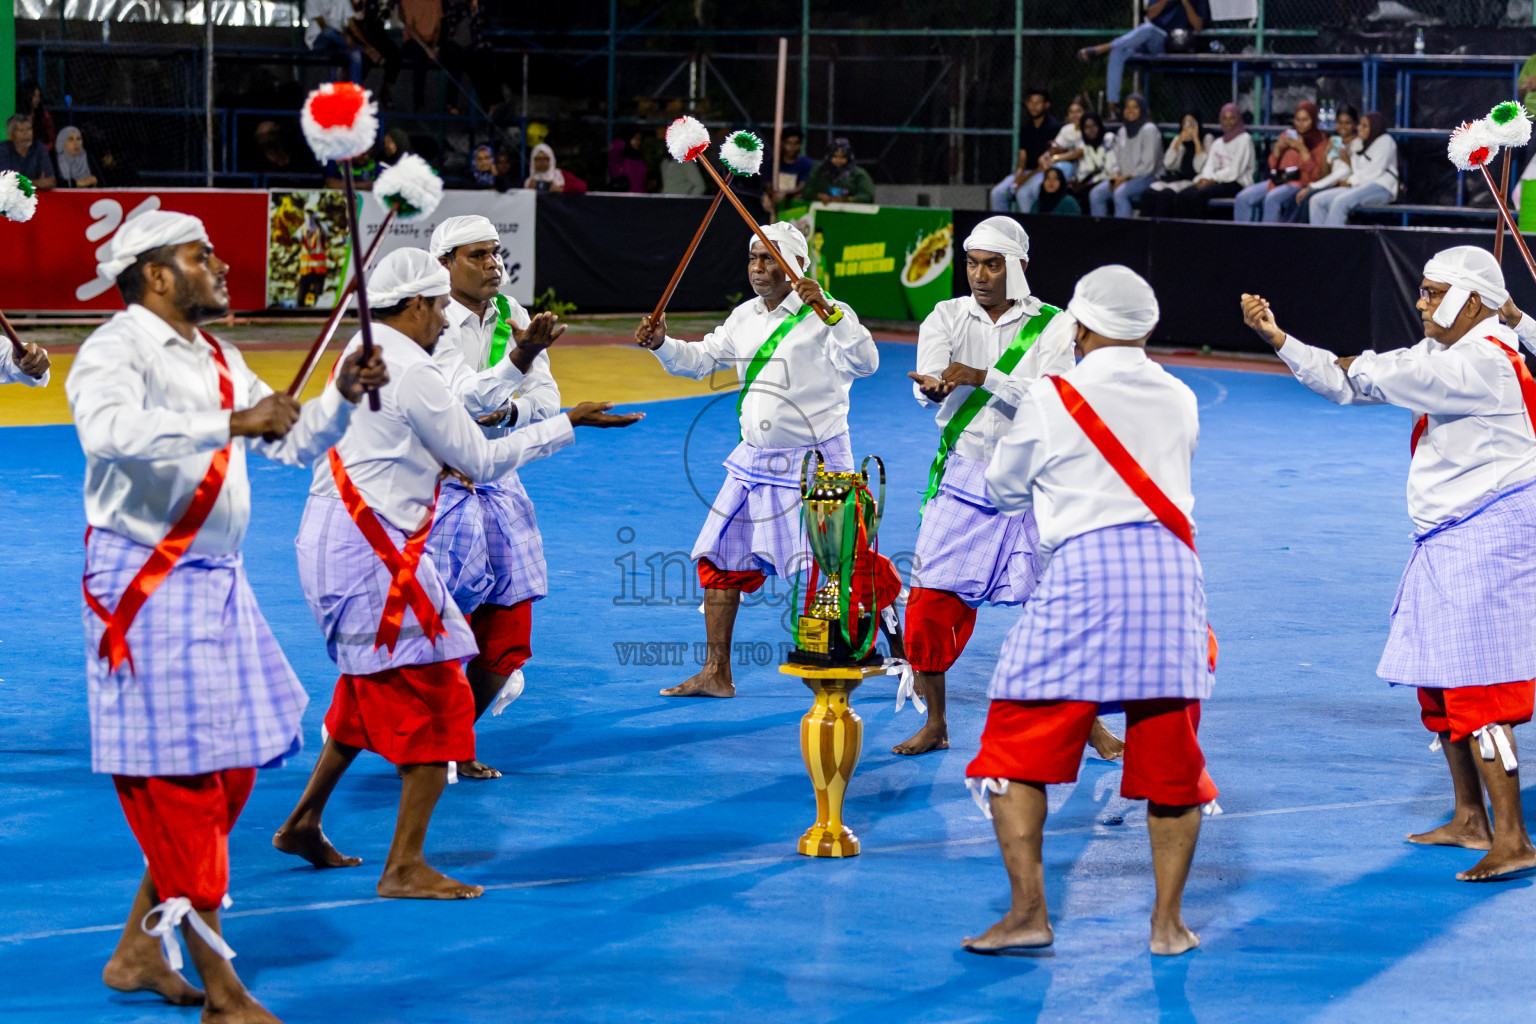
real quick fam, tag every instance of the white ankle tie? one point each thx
(1493, 737)
(907, 687)
(509, 693)
(172, 912)
(981, 787)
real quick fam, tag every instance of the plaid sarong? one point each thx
(486, 544)
(965, 545)
(1465, 613)
(1119, 615)
(210, 688)
(755, 520)
(346, 582)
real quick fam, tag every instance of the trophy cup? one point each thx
(834, 643)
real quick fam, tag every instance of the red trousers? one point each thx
(419, 714)
(1042, 741)
(748, 581)
(939, 625)
(1463, 710)
(504, 634)
(182, 823)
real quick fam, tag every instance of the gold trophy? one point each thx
(831, 656)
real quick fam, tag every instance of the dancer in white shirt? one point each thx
(976, 356)
(189, 691)
(389, 622)
(485, 539)
(1102, 455)
(1464, 622)
(32, 369)
(796, 372)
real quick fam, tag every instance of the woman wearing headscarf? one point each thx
(1054, 197)
(74, 165)
(1298, 158)
(1372, 175)
(627, 169)
(1227, 168)
(1092, 158)
(1133, 161)
(546, 177)
(1342, 147)
(483, 167)
(839, 179)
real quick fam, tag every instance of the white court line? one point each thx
(725, 865)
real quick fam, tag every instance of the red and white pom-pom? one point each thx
(686, 139)
(411, 186)
(340, 121)
(1470, 146)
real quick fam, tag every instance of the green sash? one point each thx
(977, 399)
(503, 331)
(765, 353)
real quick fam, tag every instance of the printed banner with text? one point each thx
(887, 262)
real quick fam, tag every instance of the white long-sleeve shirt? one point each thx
(146, 406)
(394, 456)
(1338, 167)
(1048, 463)
(1525, 330)
(10, 373)
(801, 395)
(1229, 161)
(1478, 441)
(959, 330)
(1376, 164)
(464, 353)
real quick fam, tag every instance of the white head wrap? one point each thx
(457, 231)
(149, 230)
(554, 175)
(403, 274)
(1467, 269)
(1115, 302)
(789, 240)
(1006, 237)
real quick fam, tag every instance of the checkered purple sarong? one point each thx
(965, 545)
(346, 583)
(210, 688)
(486, 544)
(1119, 615)
(755, 521)
(1465, 613)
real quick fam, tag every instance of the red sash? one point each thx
(1527, 393)
(114, 642)
(1136, 478)
(404, 587)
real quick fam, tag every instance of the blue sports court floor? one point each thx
(639, 854)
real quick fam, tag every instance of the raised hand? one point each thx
(810, 292)
(269, 419)
(540, 333)
(33, 361)
(651, 333)
(355, 377)
(1509, 313)
(596, 414)
(956, 374)
(933, 389)
(1258, 316)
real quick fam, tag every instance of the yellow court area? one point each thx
(587, 373)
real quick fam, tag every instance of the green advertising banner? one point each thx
(887, 262)
(8, 60)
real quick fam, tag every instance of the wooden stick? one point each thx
(17, 348)
(333, 322)
(361, 277)
(698, 236)
(1514, 229)
(778, 121)
(828, 314)
(1498, 232)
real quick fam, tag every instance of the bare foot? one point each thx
(1500, 865)
(1172, 939)
(1469, 835)
(477, 770)
(932, 736)
(126, 972)
(243, 1011)
(1106, 744)
(423, 882)
(1011, 935)
(311, 844)
(710, 682)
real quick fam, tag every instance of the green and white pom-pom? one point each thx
(742, 152)
(18, 199)
(1470, 147)
(411, 186)
(1508, 124)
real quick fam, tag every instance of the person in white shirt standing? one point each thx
(1102, 455)
(485, 539)
(189, 692)
(389, 621)
(1464, 623)
(976, 356)
(796, 373)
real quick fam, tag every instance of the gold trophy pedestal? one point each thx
(831, 738)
